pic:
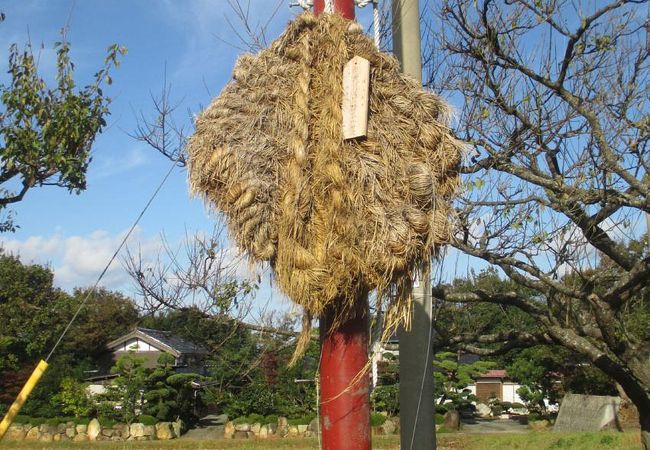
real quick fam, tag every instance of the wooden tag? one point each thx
(356, 89)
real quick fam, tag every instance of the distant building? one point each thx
(149, 344)
(495, 383)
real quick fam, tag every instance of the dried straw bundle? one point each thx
(335, 219)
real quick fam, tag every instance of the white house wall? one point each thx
(137, 345)
(509, 391)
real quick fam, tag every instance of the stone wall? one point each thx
(238, 430)
(94, 431)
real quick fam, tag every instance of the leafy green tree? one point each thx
(169, 395)
(32, 312)
(451, 379)
(385, 398)
(127, 390)
(105, 316)
(46, 133)
(73, 398)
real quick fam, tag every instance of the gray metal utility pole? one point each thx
(417, 421)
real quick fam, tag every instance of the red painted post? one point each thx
(345, 386)
(343, 7)
(345, 395)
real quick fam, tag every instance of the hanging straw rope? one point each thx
(335, 219)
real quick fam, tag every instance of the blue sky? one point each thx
(187, 40)
(76, 234)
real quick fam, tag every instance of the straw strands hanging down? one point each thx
(335, 219)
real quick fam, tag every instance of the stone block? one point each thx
(15, 433)
(389, 427)
(314, 425)
(243, 427)
(587, 413)
(452, 420)
(229, 430)
(264, 432)
(136, 430)
(240, 435)
(46, 437)
(149, 431)
(164, 431)
(81, 428)
(483, 410)
(255, 428)
(33, 434)
(80, 437)
(108, 432)
(302, 428)
(177, 426)
(122, 429)
(94, 429)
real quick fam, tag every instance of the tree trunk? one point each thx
(635, 381)
(644, 420)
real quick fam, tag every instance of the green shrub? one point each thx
(534, 416)
(36, 421)
(146, 419)
(270, 419)
(517, 405)
(81, 421)
(506, 406)
(107, 422)
(441, 409)
(240, 420)
(255, 418)
(304, 420)
(53, 422)
(377, 420)
(440, 419)
(385, 398)
(21, 419)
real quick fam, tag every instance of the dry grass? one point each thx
(335, 219)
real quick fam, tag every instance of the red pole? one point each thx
(345, 387)
(345, 394)
(343, 7)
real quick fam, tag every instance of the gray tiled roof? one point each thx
(171, 340)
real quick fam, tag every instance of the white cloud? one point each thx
(77, 261)
(110, 165)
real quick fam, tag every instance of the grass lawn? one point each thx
(447, 441)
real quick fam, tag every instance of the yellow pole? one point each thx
(22, 397)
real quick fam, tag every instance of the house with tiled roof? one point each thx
(495, 383)
(148, 345)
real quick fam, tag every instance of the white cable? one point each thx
(376, 25)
